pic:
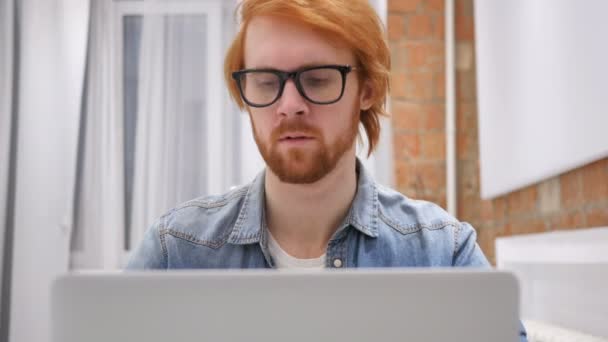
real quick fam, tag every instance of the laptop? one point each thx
(302, 306)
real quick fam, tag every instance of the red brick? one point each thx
(423, 181)
(439, 27)
(406, 116)
(464, 28)
(430, 176)
(568, 220)
(523, 201)
(435, 176)
(487, 210)
(403, 174)
(424, 56)
(464, 56)
(466, 117)
(396, 25)
(507, 229)
(500, 208)
(403, 5)
(528, 226)
(398, 85)
(501, 229)
(434, 117)
(468, 177)
(439, 86)
(549, 196)
(595, 181)
(466, 145)
(407, 145)
(486, 238)
(398, 54)
(419, 26)
(571, 190)
(468, 207)
(464, 7)
(598, 217)
(418, 86)
(465, 82)
(442, 201)
(435, 5)
(433, 145)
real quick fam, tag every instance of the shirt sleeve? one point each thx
(151, 252)
(466, 249)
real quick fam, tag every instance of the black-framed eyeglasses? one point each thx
(323, 84)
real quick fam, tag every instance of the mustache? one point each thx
(294, 126)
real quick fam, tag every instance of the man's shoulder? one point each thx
(205, 220)
(407, 215)
(424, 233)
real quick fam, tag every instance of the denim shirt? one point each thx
(383, 228)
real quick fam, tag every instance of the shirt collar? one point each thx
(362, 215)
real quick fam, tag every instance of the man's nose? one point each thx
(291, 101)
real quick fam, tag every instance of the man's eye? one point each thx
(266, 83)
(316, 82)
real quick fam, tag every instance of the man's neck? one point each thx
(303, 217)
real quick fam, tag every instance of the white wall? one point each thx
(541, 81)
(562, 275)
(52, 65)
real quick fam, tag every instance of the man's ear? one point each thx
(365, 96)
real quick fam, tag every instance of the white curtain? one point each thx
(170, 159)
(52, 45)
(144, 139)
(99, 224)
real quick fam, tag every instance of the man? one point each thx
(308, 72)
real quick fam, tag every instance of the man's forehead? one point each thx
(266, 65)
(278, 43)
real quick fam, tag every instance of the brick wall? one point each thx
(416, 30)
(415, 27)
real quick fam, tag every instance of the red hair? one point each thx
(352, 22)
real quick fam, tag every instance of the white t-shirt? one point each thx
(282, 260)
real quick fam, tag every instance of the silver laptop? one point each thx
(255, 305)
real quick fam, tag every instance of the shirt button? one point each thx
(337, 263)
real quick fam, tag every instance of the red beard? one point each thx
(309, 164)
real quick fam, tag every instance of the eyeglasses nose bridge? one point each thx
(286, 76)
(289, 75)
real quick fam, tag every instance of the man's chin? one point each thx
(299, 178)
(300, 171)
